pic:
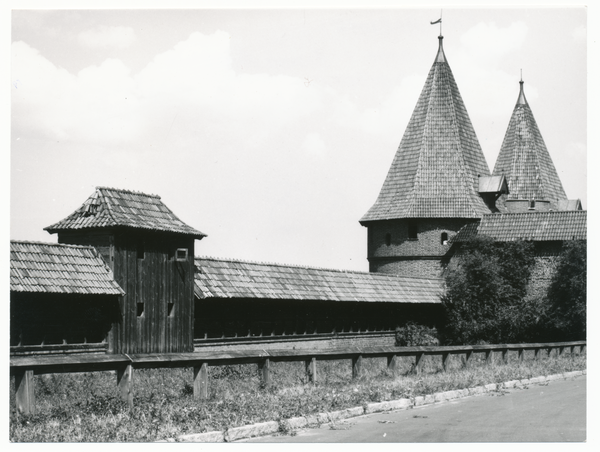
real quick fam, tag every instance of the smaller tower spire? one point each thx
(521, 100)
(440, 57)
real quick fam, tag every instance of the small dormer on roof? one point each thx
(491, 188)
(526, 162)
(110, 208)
(435, 171)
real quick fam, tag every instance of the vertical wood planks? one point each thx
(125, 384)
(201, 381)
(25, 392)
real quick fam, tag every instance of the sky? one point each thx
(271, 131)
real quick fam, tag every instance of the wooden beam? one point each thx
(419, 362)
(445, 357)
(125, 384)
(392, 363)
(311, 370)
(25, 392)
(489, 356)
(468, 357)
(356, 366)
(201, 381)
(264, 366)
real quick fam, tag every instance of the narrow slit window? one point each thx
(140, 309)
(388, 239)
(532, 204)
(170, 309)
(444, 238)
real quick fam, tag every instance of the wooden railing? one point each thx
(23, 368)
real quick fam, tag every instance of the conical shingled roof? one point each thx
(525, 161)
(110, 207)
(436, 167)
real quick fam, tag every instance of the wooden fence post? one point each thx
(504, 355)
(537, 353)
(561, 350)
(445, 357)
(125, 384)
(356, 366)
(489, 356)
(264, 366)
(392, 362)
(419, 362)
(581, 349)
(521, 354)
(201, 381)
(311, 370)
(24, 392)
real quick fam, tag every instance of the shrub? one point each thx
(412, 334)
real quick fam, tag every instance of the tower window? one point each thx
(140, 309)
(170, 309)
(413, 229)
(181, 254)
(532, 204)
(388, 239)
(444, 238)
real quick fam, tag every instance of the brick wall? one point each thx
(392, 250)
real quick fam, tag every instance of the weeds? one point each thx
(86, 407)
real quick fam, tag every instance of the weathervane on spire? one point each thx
(439, 21)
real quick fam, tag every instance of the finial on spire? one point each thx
(521, 100)
(439, 21)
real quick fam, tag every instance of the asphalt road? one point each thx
(554, 412)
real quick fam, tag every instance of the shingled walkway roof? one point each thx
(535, 226)
(221, 278)
(110, 207)
(57, 268)
(436, 167)
(525, 161)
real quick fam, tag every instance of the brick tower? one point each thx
(433, 186)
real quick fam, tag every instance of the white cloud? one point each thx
(195, 79)
(314, 145)
(106, 37)
(488, 41)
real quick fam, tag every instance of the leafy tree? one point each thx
(484, 292)
(567, 293)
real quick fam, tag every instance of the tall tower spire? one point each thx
(533, 182)
(432, 187)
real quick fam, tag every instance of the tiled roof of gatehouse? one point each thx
(111, 207)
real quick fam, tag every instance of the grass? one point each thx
(86, 408)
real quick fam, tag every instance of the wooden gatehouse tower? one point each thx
(151, 254)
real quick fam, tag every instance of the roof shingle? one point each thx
(57, 268)
(110, 207)
(535, 226)
(221, 278)
(436, 167)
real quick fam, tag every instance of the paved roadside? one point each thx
(553, 411)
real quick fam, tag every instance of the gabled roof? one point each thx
(525, 161)
(436, 167)
(535, 226)
(111, 207)
(224, 278)
(57, 268)
(569, 204)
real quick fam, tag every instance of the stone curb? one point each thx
(322, 419)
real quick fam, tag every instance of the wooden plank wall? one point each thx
(156, 280)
